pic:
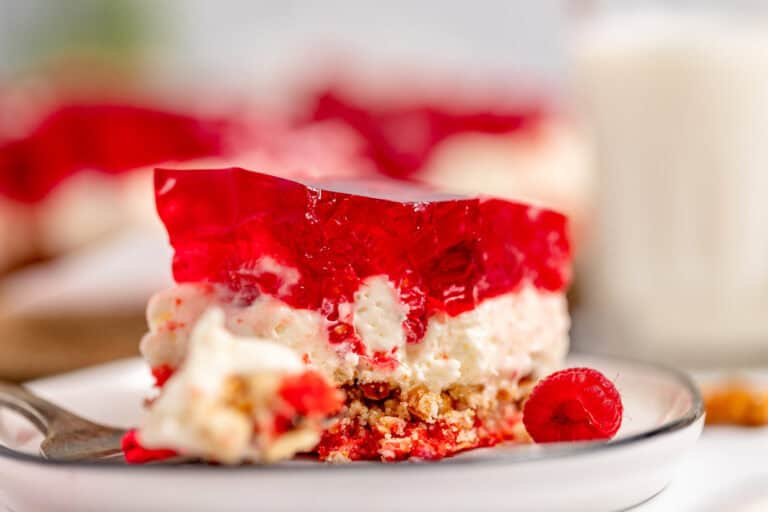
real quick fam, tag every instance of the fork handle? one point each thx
(42, 413)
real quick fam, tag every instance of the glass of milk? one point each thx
(678, 104)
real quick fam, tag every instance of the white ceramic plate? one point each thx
(663, 418)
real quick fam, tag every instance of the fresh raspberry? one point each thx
(577, 404)
(136, 454)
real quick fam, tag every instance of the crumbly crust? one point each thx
(383, 422)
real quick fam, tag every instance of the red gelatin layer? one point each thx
(442, 253)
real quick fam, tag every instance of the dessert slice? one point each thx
(434, 313)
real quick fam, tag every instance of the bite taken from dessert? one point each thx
(359, 319)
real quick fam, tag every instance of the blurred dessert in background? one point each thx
(678, 101)
(473, 140)
(74, 173)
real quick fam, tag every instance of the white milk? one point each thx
(679, 105)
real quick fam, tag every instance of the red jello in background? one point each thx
(443, 253)
(110, 138)
(401, 134)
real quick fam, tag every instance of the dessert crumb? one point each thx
(736, 402)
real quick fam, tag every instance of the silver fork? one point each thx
(68, 437)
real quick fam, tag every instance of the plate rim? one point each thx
(525, 453)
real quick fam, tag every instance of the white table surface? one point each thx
(727, 471)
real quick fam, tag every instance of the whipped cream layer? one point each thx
(507, 337)
(193, 415)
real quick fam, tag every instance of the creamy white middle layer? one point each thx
(508, 336)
